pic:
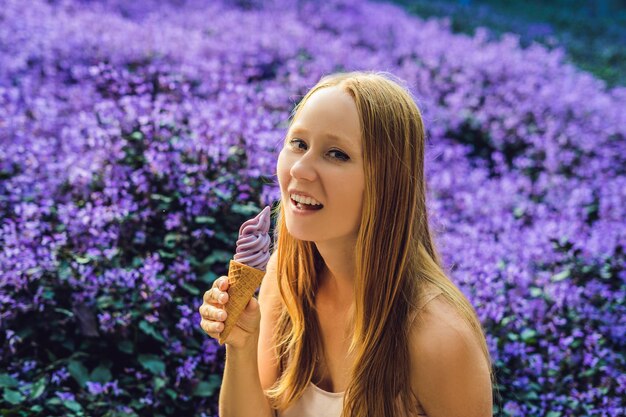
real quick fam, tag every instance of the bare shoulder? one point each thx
(269, 304)
(449, 373)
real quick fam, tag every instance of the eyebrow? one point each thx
(328, 135)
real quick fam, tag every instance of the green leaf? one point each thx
(225, 237)
(38, 388)
(101, 374)
(48, 294)
(148, 329)
(53, 401)
(207, 388)
(7, 381)
(137, 262)
(64, 311)
(104, 301)
(536, 292)
(208, 277)
(506, 320)
(217, 256)
(560, 276)
(247, 210)
(126, 347)
(25, 388)
(69, 345)
(528, 335)
(204, 220)
(531, 395)
(161, 197)
(513, 337)
(221, 194)
(152, 363)
(73, 405)
(13, 397)
(25, 332)
(171, 393)
(171, 239)
(190, 289)
(158, 383)
(167, 255)
(82, 259)
(554, 414)
(78, 372)
(32, 271)
(64, 271)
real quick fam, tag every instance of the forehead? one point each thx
(330, 113)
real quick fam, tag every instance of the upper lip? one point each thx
(294, 191)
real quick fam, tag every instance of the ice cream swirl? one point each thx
(253, 243)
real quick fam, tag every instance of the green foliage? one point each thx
(592, 32)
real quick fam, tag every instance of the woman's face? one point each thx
(322, 158)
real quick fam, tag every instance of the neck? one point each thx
(338, 277)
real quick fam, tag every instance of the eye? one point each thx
(334, 153)
(296, 142)
(340, 155)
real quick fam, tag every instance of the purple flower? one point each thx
(129, 129)
(186, 370)
(65, 396)
(59, 376)
(96, 388)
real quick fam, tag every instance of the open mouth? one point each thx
(305, 207)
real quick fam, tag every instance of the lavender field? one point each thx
(135, 137)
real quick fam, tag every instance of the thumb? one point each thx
(251, 315)
(252, 306)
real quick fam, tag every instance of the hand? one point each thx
(213, 313)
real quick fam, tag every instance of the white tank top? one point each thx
(315, 402)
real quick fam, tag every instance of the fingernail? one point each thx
(222, 315)
(222, 298)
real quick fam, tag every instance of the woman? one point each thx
(355, 316)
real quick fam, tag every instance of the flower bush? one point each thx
(135, 137)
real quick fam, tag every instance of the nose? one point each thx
(304, 168)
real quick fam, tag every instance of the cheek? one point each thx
(352, 191)
(282, 169)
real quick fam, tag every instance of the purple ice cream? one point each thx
(253, 245)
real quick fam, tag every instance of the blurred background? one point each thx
(136, 137)
(592, 31)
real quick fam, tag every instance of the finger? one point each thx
(223, 283)
(208, 294)
(212, 328)
(222, 297)
(212, 296)
(211, 313)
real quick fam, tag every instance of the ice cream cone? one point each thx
(243, 281)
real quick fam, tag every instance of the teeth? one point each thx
(305, 200)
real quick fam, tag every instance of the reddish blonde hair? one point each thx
(395, 257)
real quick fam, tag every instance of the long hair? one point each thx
(395, 258)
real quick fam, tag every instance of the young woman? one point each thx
(356, 316)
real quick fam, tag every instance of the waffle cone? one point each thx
(243, 281)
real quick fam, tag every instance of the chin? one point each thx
(300, 235)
